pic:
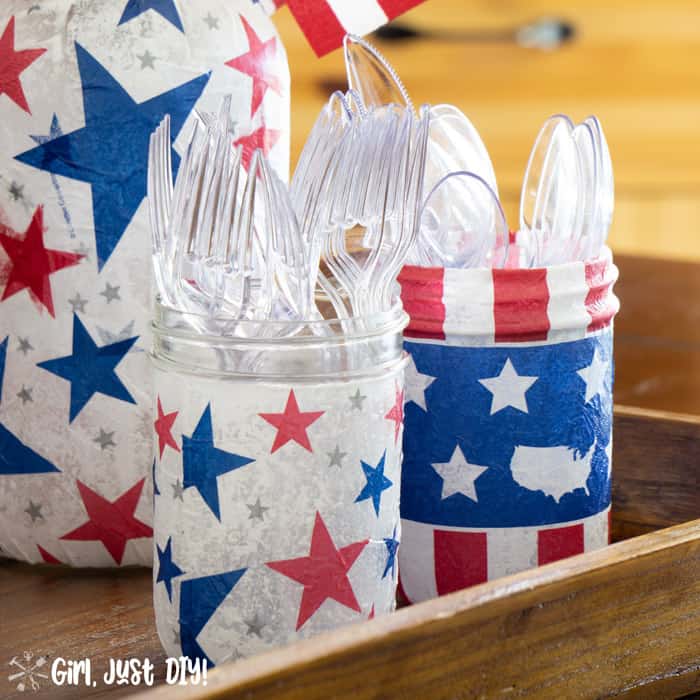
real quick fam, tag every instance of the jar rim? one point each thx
(172, 321)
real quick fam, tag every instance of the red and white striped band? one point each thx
(482, 306)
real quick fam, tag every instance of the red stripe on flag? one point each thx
(422, 297)
(558, 543)
(520, 299)
(393, 8)
(460, 560)
(318, 22)
(600, 304)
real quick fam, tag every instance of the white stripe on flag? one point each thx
(417, 561)
(567, 302)
(468, 301)
(595, 531)
(358, 16)
(511, 550)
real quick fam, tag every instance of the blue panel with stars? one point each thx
(165, 8)
(202, 463)
(90, 369)
(508, 435)
(110, 151)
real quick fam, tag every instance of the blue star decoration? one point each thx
(199, 600)
(3, 355)
(111, 151)
(202, 463)
(54, 132)
(17, 458)
(165, 8)
(392, 547)
(376, 483)
(167, 568)
(90, 369)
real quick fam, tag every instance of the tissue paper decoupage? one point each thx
(508, 441)
(82, 86)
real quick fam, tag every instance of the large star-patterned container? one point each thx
(508, 440)
(82, 85)
(277, 480)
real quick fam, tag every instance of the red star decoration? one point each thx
(396, 413)
(292, 424)
(262, 138)
(112, 523)
(371, 614)
(31, 262)
(324, 573)
(12, 64)
(164, 425)
(259, 64)
(48, 557)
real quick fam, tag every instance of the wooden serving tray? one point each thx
(623, 621)
(620, 621)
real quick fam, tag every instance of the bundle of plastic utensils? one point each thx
(567, 195)
(231, 242)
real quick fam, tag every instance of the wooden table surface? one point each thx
(636, 65)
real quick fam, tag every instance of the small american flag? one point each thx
(507, 447)
(326, 22)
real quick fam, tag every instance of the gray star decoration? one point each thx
(25, 346)
(78, 303)
(83, 250)
(34, 511)
(336, 457)
(25, 394)
(211, 22)
(16, 191)
(147, 60)
(105, 439)
(255, 626)
(108, 337)
(357, 400)
(110, 293)
(178, 490)
(257, 510)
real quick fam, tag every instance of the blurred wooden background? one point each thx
(634, 64)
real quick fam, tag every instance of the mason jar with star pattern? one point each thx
(277, 476)
(508, 440)
(83, 83)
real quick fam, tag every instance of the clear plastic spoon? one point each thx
(462, 224)
(606, 192)
(549, 206)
